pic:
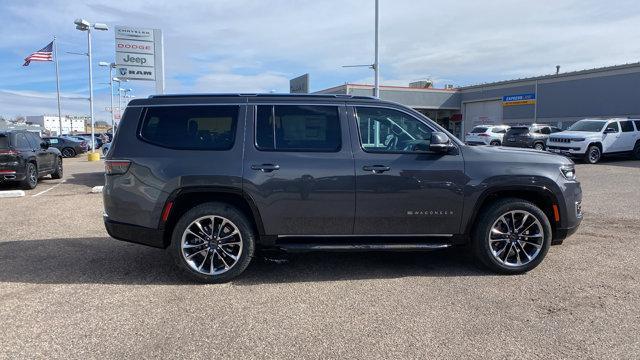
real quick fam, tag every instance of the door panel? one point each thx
(628, 136)
(410, 192)
(298, 190)
(610, 142)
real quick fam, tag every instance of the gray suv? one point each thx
(214, 178)
(532, 136)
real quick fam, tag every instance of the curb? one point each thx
(11, 193)
(96, 189)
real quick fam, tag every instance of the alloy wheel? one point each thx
(211, 245)
(33, 175)
(516, 238)
(594, 155)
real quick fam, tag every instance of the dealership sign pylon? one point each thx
(140, 55)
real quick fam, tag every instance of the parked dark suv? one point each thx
(531, 136)
(213, 177)
(25, 157)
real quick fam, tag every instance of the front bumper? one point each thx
(571, 211)
(567, 149)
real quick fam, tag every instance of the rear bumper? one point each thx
(134, 234)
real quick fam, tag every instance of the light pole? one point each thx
(84, 25)
(376, 60)
(111, 67)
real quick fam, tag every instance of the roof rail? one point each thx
(335, 96)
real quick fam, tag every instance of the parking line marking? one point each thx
(51, 188)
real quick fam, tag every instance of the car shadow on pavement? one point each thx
(89, 179)
(107, 261)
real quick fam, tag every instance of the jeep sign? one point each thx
(140, 55)
(130, 59)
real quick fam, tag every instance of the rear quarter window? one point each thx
(211, 127)
(626, 126)
(4, 141)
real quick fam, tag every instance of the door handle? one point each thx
(265, 167)
(376, 169)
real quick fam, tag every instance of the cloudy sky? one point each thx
(258, 45)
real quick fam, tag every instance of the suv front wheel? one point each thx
(512, 236)
(213, 242)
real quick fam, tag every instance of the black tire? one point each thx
(539, 146)
(593, 154)
(58, 172)
(494, 143)
(68, 152)
(481, 244)
(31, 179)
(237, 218)
(636, 152)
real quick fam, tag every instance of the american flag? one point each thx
(44, 54)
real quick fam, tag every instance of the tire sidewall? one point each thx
(27, 181)
(70, 152)
(494, 143)
(481, 243)
(59, 171)
(538, 146)
(229, 212)
(588, 157)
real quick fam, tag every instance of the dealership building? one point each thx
(559, 99)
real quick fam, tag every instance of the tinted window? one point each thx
(614, 126)
(34, 139)
(518, 130)
(478, 130)
(498, 130)
(388, 130)
(637, 122)
(298, 127)
(190, 127)
(22, 142)
(53, 141)
(626, 126)
(4, 141)
(545, 130)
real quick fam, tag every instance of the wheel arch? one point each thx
(540, 196)
(184, 199)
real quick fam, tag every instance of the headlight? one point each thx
(578, 139)
(568, 171)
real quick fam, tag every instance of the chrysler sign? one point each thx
(123, 32)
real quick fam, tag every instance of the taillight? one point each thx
(9, 152)
(116, 167)
(483, 134)
(7, 171)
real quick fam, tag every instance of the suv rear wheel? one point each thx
(494, 143)
(512, 236)
(538, 146)
(213, 242)
(57, 173)
(593, 155)
(636, 151)
(31, 177)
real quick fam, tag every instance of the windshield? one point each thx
(478, 130)
(588, 126)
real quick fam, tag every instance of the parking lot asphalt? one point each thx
(69, 291)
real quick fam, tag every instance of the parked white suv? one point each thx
(590, 139)
(486, 135)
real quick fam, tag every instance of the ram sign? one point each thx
(139, 55)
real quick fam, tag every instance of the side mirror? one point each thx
(440, 143)
(45, 144)
(610, 130)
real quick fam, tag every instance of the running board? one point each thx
(304, 247)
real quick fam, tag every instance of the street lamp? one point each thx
(111, 67)
(84, 25)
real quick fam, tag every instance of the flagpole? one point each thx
(55, 55)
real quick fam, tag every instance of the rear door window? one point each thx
(298, 128)
(637, 122)
(626, 126)
(22, 142)
(211, 127)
